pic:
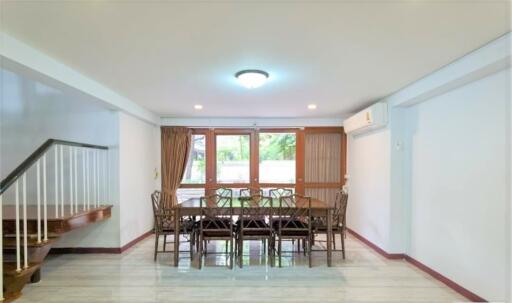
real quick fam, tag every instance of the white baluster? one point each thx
(93, 177)
(25, 234)
(18, 248)
(75, 171)
(61, 180)
(88, 182)
(38, 170)
(71, 194)
(97, 178)
(56, 182)
(45, 206)
(83, 177)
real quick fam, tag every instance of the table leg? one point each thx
(176, 237)
(329, 238)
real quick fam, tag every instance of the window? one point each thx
(277, 157)
(233, 153)
(195, 173)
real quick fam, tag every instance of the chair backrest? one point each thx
(256, 210)
(249, 191)
(340, 209)
(295, 212)
(277, 193)
(216, 213)
(164, 217)
(224, 192)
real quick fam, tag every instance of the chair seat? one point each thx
(294, 233)
(217, 234)
(323, 227)
(215, 224)
(288, 224)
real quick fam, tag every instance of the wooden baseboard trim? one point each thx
(381, 251)
(99, 250)
(436, 275)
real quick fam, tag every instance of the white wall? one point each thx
(368, 167)
(459, 195)
(139, 157)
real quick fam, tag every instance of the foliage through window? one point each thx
(195, 172)
(277, 157)
(233, 153)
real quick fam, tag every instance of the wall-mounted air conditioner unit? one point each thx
(373, 117)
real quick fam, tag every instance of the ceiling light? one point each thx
(252, 78)
(312, 106)
(198, 106)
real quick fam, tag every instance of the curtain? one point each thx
(176, 142)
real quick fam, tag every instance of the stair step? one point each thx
(14, 281)
(10, 242)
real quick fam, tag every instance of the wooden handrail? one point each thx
(30, 160)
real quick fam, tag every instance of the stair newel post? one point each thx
(25, 234)
(45, 202)
(75, 171)
(61, 180)
(38, 171)
(71, 183)
(56, 182)
(83, 178)
(18, 246)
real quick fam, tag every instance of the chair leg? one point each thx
(231, 253)
(304, 246)
(156, 244)
(240, 251)
(165, 241)
(342, 245)
(334, 241)
(279, 250)
(227, 247)
(309, 252)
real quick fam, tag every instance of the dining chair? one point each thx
(250, 191)
(164, 223)
(254, 223)
(224, 192)
(216, 223)
(293, 223)
(338, 219)
(277, 193)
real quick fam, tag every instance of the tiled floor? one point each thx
(364, 276)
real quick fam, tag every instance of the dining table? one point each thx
(192, 207)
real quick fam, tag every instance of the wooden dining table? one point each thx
(192, 207)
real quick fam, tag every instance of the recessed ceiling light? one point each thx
(252, 78)
(198, 106)
(312, 106)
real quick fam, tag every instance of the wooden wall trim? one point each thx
(99, 250)
(471, 296)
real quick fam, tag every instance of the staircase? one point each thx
(70, 195)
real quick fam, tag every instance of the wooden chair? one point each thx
(255, 223)
(224, 192)
(277, 193)
(164, 223)
(293, 223)
(248, 192)
(338, 219)
(216, 223)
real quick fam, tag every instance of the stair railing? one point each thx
(94, 172)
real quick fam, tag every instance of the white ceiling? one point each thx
(168, 56)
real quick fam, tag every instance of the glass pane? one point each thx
(195, 171)
(187, 193)
(233, 153)
(277, 157)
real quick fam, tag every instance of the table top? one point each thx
(237, 203)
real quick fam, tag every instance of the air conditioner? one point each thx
(373, 117)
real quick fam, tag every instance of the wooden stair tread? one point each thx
(10, 242)
(9, 212)
(10, 269)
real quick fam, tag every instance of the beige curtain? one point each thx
(176, 142)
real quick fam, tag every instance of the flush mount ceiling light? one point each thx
(252, 78)
(198, 107)
(312, 106)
